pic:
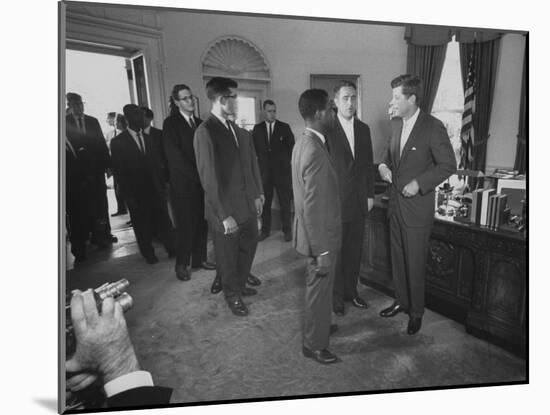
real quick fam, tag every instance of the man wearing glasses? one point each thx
(229, 174)
(186, 192)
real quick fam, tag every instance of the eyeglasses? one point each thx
(234, 96)
(187, 99)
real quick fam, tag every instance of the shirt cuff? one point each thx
(128, 381)
(324, 253)
(382, 164)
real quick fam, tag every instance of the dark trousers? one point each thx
(150, 218)
(318, 306)
(284, 193)
(121, 204)
(409, 253)
(348, 262)
(234, 256)
(191, 227)
(79, 222)
(101, 230)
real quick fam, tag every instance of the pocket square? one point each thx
(414, 148)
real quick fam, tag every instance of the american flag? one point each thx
(467, 132)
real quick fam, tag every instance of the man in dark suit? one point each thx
(317, 224)
(104, 350)
(273, 141)
(229, 174)
(187, 194)
(78, 184)
(351, 153)
(138, 167)
(156, 136)
(86, 130)
(418, 158)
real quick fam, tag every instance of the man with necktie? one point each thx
(273, 141)
(84, 131)
(138, 167)
(230, 177)
(186, 192)
(317, 224)
(351, 153)
(418, 157)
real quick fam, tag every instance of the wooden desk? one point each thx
(474, 275)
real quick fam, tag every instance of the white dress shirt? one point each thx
(269, 137)
(347, 125)
(139, 143)
(188, 118)
(131, 380)
(407, 128)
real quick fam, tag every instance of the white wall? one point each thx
(294, 49)
(503, 127)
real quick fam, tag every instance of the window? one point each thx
(246, 112)
(449, 101)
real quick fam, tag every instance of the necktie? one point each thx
(80, 124)
(327, 146)
(192, 123)
(232, 132)
(141, 142)
(270, 133)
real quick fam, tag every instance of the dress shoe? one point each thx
(339, 308)
(333, 329)
(393, 310)
(414, 325)
(247, 292)
(321, 356)
(216, 285)
(151, 259)
(208, 265)
(288, 236)
(237, 306)
(359, 302)
(252, 280)
(181, 273)
(263, 236)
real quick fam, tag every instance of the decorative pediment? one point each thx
(234, 56)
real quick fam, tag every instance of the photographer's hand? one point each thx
(102, 341)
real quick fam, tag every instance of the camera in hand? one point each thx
(117, 290)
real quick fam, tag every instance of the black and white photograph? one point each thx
(262, 207)
(347, 214)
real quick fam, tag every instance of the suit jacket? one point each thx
(317, 221)
(180, 154)
(355, 175)
(156, 138)
(93, 140)
(274, 157)
(139, 175)
(229, 174)
(427, 157)
(142, 396)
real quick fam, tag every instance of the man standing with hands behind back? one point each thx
(273, 141)
(418, 158)
(351, 153)
(317, 225)
(228, 171)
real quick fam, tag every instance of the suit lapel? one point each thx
(342, 136)
(397, 126)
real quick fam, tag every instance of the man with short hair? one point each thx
(156, 137)
(229, 174)
(273, 141)
(419, 156)
(317, 225)
(84, 131)
(351, 153)
(138, 167)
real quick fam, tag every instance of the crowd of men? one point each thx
(221, 180)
